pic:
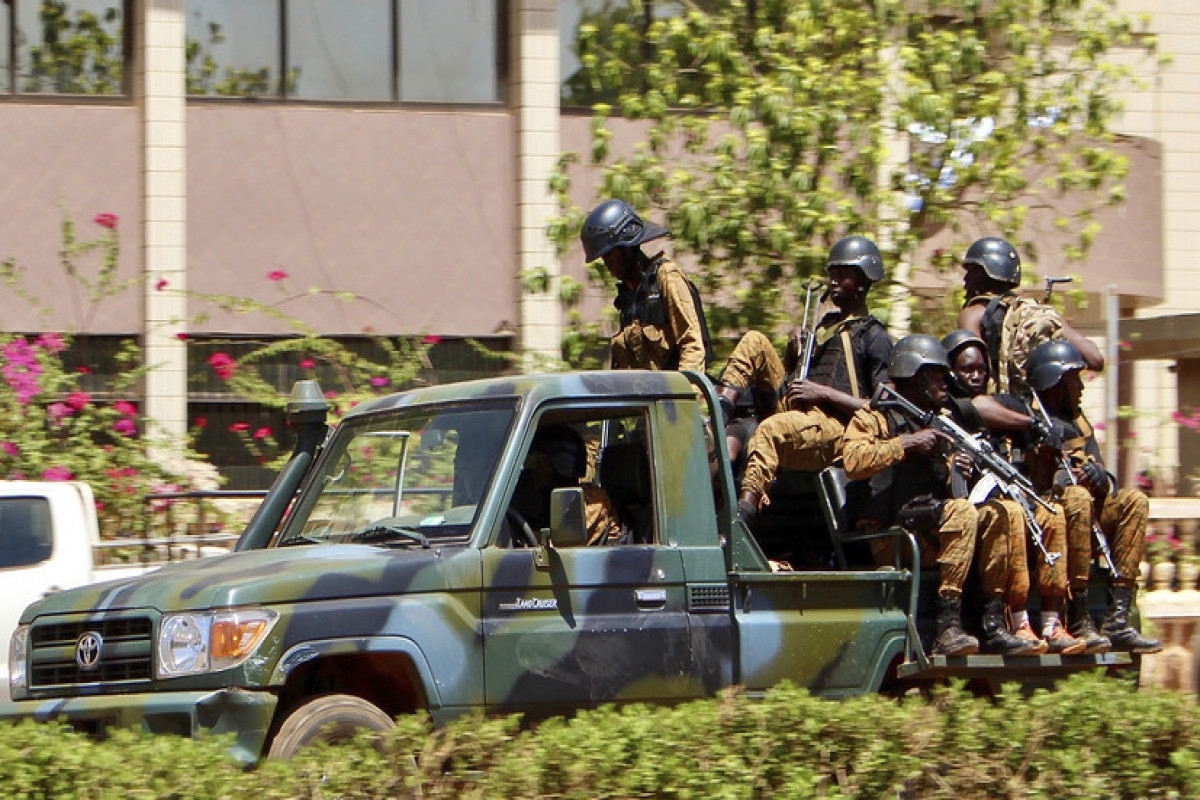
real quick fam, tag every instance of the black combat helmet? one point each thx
(998, 258)
(1049, 361)
(957, 340)
(857, 251)
(915, 351)
(614, 223)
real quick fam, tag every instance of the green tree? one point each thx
(81, 53)
(775, 127)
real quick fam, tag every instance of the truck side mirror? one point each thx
(568, 517)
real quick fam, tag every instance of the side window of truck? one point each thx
(604, 452)
(25, 533)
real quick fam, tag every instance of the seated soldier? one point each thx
(558, 459)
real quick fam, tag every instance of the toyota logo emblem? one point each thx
(87, 651)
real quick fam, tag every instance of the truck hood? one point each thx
(265, 577)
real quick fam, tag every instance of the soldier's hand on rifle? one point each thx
(791, 353)
(924, 443)
(1093, 478)
(803, 395)
(1045, 434)
(963, 463)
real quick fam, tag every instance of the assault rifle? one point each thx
(1065, 464)
(808, 331)
(1050, 282)
(985, 458)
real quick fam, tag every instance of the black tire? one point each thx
(331, 718)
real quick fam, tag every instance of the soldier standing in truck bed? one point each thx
(849, 360)
(662, 321)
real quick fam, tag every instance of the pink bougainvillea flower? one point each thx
(83, 370)
(78, 400)
(431, 339)
(223, 364)
(378, 382)
(21, 370)
(307, 363)
(201, 422)
(125, 408)
(238, 427)
(51, 342)
(276, 275)
(125, 427)
(183, 337)
(262, 433)
(59, 410)
(161, 284)
(106, 220)
(56, 474)
(10, 449)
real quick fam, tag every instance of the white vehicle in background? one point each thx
(50, 541)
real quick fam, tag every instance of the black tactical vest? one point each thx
(829, 366)
(646, 305)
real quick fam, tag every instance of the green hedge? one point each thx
(1094, 737)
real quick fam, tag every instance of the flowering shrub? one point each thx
(1163, 547)
(52, 430)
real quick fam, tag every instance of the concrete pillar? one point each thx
(160, 92)
(536, 93)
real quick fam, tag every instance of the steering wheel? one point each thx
(523, 535)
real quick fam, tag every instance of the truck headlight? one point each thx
(17, 659)
(196, 642)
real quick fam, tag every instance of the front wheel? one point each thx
(331, 718)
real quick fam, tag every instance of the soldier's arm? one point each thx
(868, 446)
(971, 318)
(1087, 348)
(998, 417)
(682, 319)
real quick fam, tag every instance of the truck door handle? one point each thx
(650, 598)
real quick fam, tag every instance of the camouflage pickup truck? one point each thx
(389, 570)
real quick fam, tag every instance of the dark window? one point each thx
(25, 532)
(65, 47)
(368, 50)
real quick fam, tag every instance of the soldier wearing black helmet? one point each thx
(904, 472)
(849, 359)
(991, 278)
(662, 323)
(1090, 495)
(1010, 420)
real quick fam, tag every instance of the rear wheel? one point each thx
(331, 718)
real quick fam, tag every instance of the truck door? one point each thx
(573, 626)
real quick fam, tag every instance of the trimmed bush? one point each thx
(1093, 737)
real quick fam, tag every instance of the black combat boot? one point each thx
(1116, 624)
(1083, 627)
(951, 639)
(998, 639)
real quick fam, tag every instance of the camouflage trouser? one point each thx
(802, 440)
(951, 547)
(1003, 569)
(1123, 518)
(958, 533)
(753, 364)
(1051, 580)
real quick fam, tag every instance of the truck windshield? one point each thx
(402, 478)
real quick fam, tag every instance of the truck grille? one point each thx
(126, 654)
(708, 598)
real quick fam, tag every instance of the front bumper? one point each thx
(245, 714)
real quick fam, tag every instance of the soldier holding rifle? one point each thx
(1006, 417)
(1089, 495)
(849, 358)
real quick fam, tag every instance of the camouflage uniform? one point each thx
(676, 344)
(1124, 518)
(754, 364)
(811, 440)
(603, 524)
(872, 444)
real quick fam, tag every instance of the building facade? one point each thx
(299, 151)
